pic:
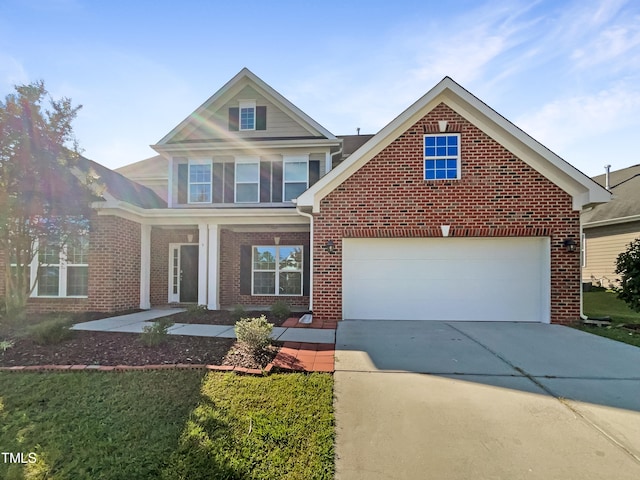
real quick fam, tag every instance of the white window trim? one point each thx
(276, 272)
(294, 159)
(446, 157)
(246, 104)
(248, 160)
(200, 161)
(62, 266)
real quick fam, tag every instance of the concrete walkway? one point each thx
(485, 400)
(135, 323)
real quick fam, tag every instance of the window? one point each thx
(199, 181)
(296, 173)
(64, 271)
(247, 115)
(442, 157)
(277, 270)
(247, 180)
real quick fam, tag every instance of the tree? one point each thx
(44, 197)
(628, 266)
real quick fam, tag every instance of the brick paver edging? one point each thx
(129, 368)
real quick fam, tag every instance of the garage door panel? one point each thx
(446, 279)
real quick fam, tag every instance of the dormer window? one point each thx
(248, 115)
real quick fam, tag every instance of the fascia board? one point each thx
(237, 83)
(583, 190)
(611, 221)
(247, 144)
(189, 216)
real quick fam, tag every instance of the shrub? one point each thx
(238, 313)
(281, 310)
(51, 331)
(628, 266)
(254, 333)
(197, 310)
(156, 333)
(6, 345)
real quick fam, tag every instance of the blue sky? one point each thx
(567, 72)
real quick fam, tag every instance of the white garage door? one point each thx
(485, 279)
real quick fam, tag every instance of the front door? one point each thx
(189, 273)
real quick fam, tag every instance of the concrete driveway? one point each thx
(471, 400)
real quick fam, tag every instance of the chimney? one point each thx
(606, 176)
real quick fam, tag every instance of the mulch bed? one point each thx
(105, 348)
(223, 317)
(113, 348)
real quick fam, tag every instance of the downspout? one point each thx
(582, 247)
(310, 217)
(339, 152)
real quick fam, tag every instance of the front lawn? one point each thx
(169, 424)
(606, 304)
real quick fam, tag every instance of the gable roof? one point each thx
(583, 190)
(234, 86)
(120, 187)
(625, 204)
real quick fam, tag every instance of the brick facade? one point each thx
(114, 264)
(160, 240)
(498, 195)
(230, 243)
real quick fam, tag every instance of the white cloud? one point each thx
(12, 72)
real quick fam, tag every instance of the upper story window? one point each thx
(247, 180)
(442, 156)
(247, 115)
(296, 175)
(200, 181)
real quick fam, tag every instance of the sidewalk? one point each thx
(135, 323)
(307, 349)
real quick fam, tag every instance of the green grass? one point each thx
(603, 304)
(177, 424)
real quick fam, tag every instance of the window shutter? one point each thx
(245, 269)
(265, 182)
(314, 171)
(306, 270)
(276, 182)
(229, 180)
(183, 183)
(218, 182)
(234, 119)
(261, 118)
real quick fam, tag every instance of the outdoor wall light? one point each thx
(330, 247)
(570, 245)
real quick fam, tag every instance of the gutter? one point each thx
(310, 217)
(612, 221)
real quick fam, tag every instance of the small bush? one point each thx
(197, 310)
(281, 310)
(157, 333)
(254, 333)
(6, 345)
(238, 313)
(51, 331)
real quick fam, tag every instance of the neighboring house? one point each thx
(609, 228)
(450, 212)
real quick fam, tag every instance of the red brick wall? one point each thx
(497, 195)
(114, 264)
(160, 240)
(230, 266)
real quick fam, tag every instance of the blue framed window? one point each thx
(442, 156)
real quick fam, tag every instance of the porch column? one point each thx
(214, 268)
(145, 267)
(203, 253)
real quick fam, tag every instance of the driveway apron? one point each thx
(484, 400)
